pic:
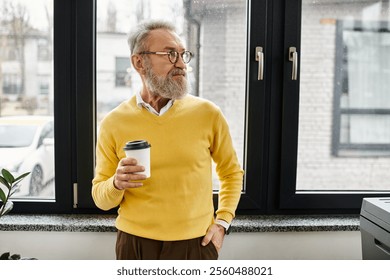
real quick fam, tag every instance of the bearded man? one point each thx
(169, 215)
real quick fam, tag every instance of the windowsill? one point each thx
(106, 223)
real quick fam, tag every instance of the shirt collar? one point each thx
(141, 103)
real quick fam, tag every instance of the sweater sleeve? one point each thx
(228, 169)
(104, 194)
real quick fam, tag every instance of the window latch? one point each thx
(293, 56)
(259, 56)
(75, 195)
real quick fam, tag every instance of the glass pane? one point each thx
(26, 95)
(214, 31)
(366, 129)
(368, 66)
(344, 140)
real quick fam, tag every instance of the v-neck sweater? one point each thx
(176, 202)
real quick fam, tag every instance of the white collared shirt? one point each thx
(142, 103)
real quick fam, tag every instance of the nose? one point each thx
(180, 63)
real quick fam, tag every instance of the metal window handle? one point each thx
(259, 56)
(293, 56)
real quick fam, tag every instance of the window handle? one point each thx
(259, 56)
(293, 56)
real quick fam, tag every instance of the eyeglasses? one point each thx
(174, 55)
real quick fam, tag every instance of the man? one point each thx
(169, 215)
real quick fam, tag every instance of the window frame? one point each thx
(63, 58)
(289, 200)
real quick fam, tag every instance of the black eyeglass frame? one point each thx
(175, 54)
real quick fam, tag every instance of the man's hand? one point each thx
(125, 176)
(215, 234)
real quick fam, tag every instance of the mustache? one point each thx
(177, 71)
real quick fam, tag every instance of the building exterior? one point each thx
(26, 75)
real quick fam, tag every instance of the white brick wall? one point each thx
(222, 74)
(222, 80)
(317, 168)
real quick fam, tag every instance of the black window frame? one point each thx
(64, 57)
(290, 200)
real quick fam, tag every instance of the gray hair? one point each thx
(137, 38)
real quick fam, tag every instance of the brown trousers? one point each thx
(131, 247)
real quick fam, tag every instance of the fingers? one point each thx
(216, 235)
(207, 238)
(126, 175)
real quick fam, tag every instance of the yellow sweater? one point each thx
(175, 203)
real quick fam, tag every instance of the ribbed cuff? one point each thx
(225, 216)
(114, 191)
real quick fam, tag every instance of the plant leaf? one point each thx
(8, 207)
(4, 182)
(21, 177)
(15, 257)
(8, 176)
(3, 197)
(5, 256)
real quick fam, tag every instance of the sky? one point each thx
(162, 9)
(167, 9)
(36, 10)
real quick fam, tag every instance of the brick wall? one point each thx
(222, 80)
(222, 74)
(317, 167)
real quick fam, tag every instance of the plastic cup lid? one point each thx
(137, 145)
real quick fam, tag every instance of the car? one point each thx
(27, 145)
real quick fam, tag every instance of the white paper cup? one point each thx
(140, 150)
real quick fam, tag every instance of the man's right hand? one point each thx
(125, 176)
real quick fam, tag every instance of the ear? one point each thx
(138, 63)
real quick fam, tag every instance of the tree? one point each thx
(16, 26)
(142, 10)
(111, 17)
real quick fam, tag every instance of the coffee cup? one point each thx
(140, 150)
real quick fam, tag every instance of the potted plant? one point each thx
(11, 186)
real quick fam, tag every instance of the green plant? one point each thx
(8, 256)
(11, 186)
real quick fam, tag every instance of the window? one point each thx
(44, 89)
(12, 83)
(283, 72)
(332, 125)
(362, 111)
(44, 49)
(26, 123)
(122, 72)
